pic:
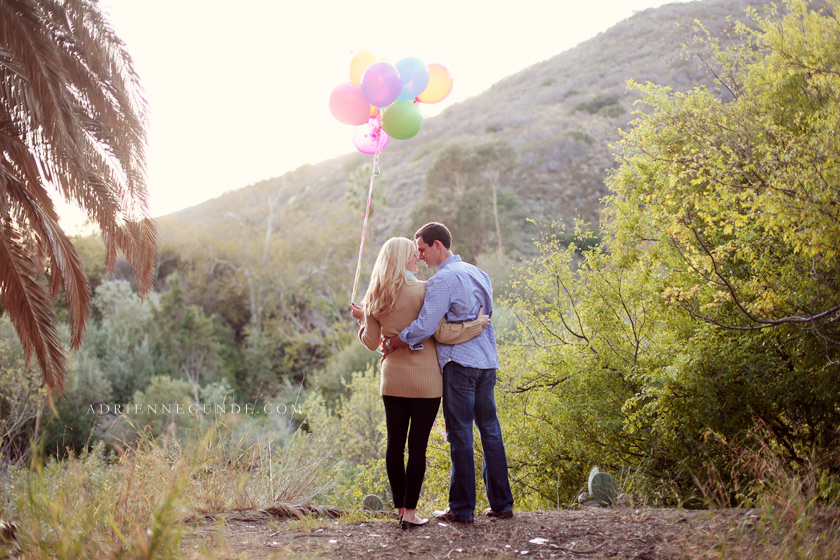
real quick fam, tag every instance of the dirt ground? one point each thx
(589, 532)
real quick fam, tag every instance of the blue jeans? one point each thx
(468, 396)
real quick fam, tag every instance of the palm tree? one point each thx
(72, 124)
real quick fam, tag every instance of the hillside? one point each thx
(561, 116)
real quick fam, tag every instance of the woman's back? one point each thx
(405, 373)
(407, 308)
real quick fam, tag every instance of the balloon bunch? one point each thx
(381, 98)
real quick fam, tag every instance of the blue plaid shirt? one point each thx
(457, 292)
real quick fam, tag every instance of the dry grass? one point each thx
(137, 504)
(794, 504)
(162, 499)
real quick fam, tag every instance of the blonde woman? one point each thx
(411, 385)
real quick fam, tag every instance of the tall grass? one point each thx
(138, 503)
(790, 507)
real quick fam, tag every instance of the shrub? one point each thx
(580, 136)
(21, 396)
(611, 111)
(596, 103)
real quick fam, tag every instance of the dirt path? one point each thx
(623, 533)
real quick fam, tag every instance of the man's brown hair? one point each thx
(434, 231)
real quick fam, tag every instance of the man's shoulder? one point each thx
(464, 268)
(438, 281)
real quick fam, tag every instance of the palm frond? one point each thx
(73, 121)
(28, 305)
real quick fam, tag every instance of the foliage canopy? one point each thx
(710, 310)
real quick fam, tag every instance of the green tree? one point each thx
(709, 311)
(358, 186)
(164, 404)
(87, 388)
(73, 119)
(741, 193)
(735, 195)
(280, 278)
(122, 341)
(464, 190)
(587, 328)
(188, 343)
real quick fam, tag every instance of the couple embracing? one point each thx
(438, 342)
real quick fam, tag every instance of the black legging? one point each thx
(399, 413)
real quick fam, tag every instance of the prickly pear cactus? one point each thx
(593, 472)
(602, 487)
(373, 502)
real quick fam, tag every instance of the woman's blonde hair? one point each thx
(388, 276)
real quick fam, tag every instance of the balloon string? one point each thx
(442, 432)
(373, 173)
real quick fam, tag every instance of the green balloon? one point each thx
(402, 120)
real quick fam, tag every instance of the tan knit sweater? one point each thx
(412, 373)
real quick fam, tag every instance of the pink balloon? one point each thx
(369, 138)
(348, 105)
(381, 84)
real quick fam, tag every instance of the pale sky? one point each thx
(238, 91)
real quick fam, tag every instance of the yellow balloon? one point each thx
(440, 84)
(361, 61)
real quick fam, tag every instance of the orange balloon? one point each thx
(360, 62)
(440, 84)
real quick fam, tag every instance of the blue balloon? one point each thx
(415, 77)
